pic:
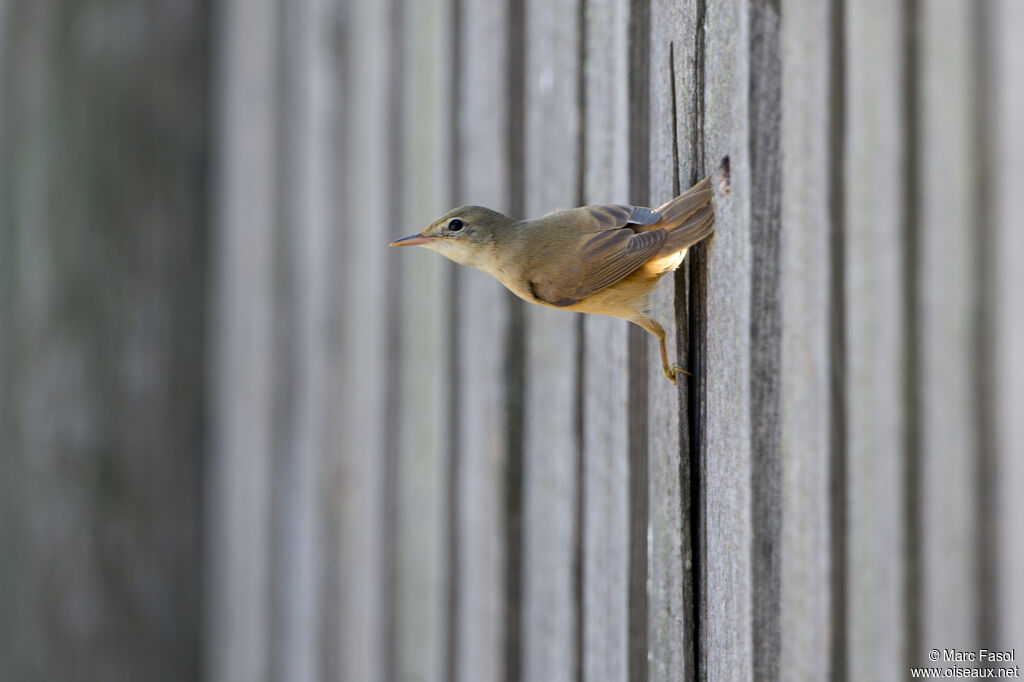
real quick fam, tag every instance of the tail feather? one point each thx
(675, 211)
(698, 226)
(688, 218)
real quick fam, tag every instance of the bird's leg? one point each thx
(670, 371)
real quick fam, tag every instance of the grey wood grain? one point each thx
(874, 260)
(424, 396)
(103, 215)
(1006, 140)
(310, 116)
(331, 179)
(605, 382)
(805, 405)
(365, 408)
(727, 633)
(243, 348)
(484, 309)
(945, 299)
(671, 612)
(551, 443)
(768, 331)
(359, 507)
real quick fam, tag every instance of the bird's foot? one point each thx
(673, 371)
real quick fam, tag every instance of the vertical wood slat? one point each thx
(243, 347)
(364, 642)
(945, 295)
(671, 625)
(102, 304)
(805, 608)
(309, 125)
(291, 276)
(769, 334)
(638, 136)
(875, 321)
(332, 164)
(422, 554)
(272, 381)
(727, 634)
(605, 382)
(484, 309)
(551, 442)
(1007, 315)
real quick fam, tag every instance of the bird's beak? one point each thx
(413, 240)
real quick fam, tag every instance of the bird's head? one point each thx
(465, 234)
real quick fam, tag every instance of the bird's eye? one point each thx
(454, 225)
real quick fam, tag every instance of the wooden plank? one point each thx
(767, 335)
(727, 634)
(103, 244)
(484, 310)
(309, 126)
(243, 347)
(671, 613)
(421, 590)
(875, 187)
(806, 291)
(638, 342)
(946, 286)
(605, 381)
(551, 445)
(363, 635)
(1006, 140)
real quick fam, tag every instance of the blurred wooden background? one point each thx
(242, 439)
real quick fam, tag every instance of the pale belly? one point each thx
(626, 298)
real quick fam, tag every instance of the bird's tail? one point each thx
(688, 218)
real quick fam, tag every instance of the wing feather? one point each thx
(611, 241)
(604, 258)
(613, 216)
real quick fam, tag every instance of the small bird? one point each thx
(603, 260)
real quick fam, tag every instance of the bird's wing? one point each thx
(613, 216)
(608, 250)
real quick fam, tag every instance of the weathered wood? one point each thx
(484, 310)
(422, 533)
(552, 442)
(768, 333)
(726, 628)
(673, 129)
(832, 494)
(873, 251)
(102, 307)
(605, 381)
(243, 348)
(808, 304)
(310, 121)
(946, 280)
(365, 639)
(1006, 149)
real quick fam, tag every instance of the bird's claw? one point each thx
(673, 371)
